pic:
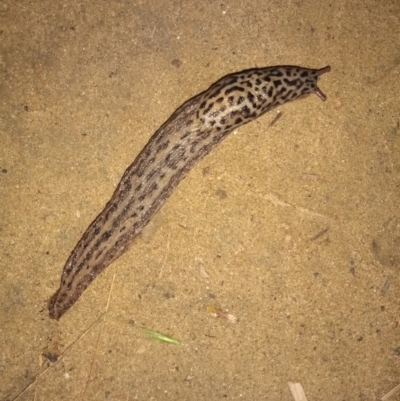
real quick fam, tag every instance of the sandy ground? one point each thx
(292, 229)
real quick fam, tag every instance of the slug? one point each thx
(191, 132)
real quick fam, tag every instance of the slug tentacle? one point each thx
(191, 132)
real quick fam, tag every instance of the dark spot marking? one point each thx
(245, 110)
(215, 94)
(193, 146)
(153, 187)
(210, 106)
(162, 146)
(292, 82)
(277, 83)
(287, 95)
(233, 89)
(150, 176)
(250, 97)
(105, 236)
(231, 79)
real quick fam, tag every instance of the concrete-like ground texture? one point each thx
(276, 260)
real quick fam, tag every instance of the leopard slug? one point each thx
(191, 132)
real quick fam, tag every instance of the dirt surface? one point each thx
(276, 260)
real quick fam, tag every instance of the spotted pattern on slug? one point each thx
(191, 132)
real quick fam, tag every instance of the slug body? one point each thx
(191, 132)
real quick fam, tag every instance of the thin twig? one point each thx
(98, 341)
(37, 377)
(297, 391)
(277, 117)
(393, 391)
